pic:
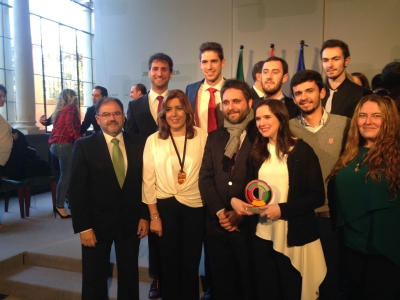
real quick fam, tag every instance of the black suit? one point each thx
(90, 118)
(140, 120)
(98, 203)
(345, 99)
(254, 94)
(227, 251)
(291, 107)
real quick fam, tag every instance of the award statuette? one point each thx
(263, 198)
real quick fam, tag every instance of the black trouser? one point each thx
(275, 276)
(180, 249)
(229, 256)
(371, 277)
(96, 268)
(329, 288)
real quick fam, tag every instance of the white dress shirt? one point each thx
(121, 144)
(203, 98)
(153, 102)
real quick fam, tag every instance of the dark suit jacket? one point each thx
(140, 120)
(191, 93)
(254, 94)
(291, 107)
(217, 184)
(90, 118)
(345, 99)
(95, 197)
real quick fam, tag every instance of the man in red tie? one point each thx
(204, 95)
(142, 120)
(205, 98)
(142, 113)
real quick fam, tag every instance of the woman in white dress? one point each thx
(287, 253)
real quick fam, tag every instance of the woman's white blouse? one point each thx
(161, 168)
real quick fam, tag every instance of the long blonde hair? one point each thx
(66, 97)
(384, 155)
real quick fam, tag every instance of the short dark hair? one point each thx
(140, 87)
(239, 85)
(163, 126)
(363, 79)
(257, 68)
(391, 75)
(3, 88)
(212, 46)
(163, 57)
(307, 75)
(336, 43)
(103, 90)
(285, 66)
(376, 82)
(105, 100)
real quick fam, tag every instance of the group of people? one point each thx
(176, 169)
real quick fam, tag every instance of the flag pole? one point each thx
(239, 70)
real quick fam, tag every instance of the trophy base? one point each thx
(255, 210)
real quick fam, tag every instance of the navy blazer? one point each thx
(95, 197)
(139, 118)
(191, 93)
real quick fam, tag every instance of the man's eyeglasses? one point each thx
(108, 115)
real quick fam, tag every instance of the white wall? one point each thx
(127, 32)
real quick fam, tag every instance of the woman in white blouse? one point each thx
(287, 252)
(171, 163)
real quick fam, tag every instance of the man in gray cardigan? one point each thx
(326, 133)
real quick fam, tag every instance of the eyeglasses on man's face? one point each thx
(108, 114)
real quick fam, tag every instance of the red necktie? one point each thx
(160, 100)
(212, 111)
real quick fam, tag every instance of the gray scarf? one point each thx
(235, 131)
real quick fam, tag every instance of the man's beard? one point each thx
(242, 116)
(273, 90)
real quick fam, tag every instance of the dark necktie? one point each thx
(236, 155)
(118, 162)
(212, 111)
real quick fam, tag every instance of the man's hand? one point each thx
(88, 238)
(230, 220)
(14, 135)
(143, 228)
(272, 211)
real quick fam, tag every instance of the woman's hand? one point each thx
(240, 207)
(156, 226)
(272, 211)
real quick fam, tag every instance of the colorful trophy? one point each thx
(263, 198)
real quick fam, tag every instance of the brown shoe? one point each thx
(154, 292)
